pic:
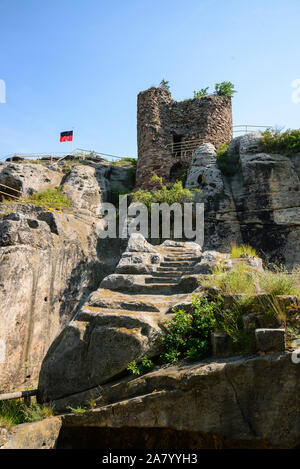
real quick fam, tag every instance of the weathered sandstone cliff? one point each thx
(259, 204)
(50, 260)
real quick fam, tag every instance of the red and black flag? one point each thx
(66, 136)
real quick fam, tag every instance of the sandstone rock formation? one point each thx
(240, 402)
(50, 260)
(259, 204)
(116, 326)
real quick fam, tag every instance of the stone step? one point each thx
(89, 312)
(177, 264)
(116, 303)
(168, 273)
(182, 259)
(158, 288)
(180, 270)
(181, 251)
(162, 280)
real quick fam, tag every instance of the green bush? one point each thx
(201, 93)
(164, 84)
(189, 333)
(169, 194)
(51, 198)
(138, 368)
(225, 88)
(286, 143)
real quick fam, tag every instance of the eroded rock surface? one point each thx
(243, 400)
(123, 320)
(259, 204)
(50, 260)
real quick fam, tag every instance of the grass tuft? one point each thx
(15, 412)
(237, 251)
(50, 198)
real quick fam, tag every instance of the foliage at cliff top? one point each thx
(285, 143)
(225, 88)
(168, 194)
(164, 84)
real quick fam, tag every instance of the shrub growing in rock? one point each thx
(225, 88)
(189, 333)
(285, 143)
(138, 368)
(168, 194)
(201, 93)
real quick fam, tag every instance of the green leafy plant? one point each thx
(138, 368)
(169, 194)
(276, 141)
(189, 332)
(225, 88)
(201, 93)
(77, 410)
(164, 84)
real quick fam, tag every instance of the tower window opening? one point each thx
(177, 146)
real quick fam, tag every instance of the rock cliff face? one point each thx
(258, 205)
(50, 260)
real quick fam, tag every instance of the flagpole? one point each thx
(72, 141)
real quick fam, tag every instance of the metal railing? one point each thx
(58, 156)
(26, 395)
(245, 128)
(183, 150)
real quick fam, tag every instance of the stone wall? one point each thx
(161, 121)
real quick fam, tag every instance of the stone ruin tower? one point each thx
(169, 131)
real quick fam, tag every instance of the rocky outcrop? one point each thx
(259, 204)
(244, 400)
(239, 402)
(115, 327)
(26, 179)
(50, 260)
(36, 435)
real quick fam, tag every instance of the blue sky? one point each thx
(81, 63)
